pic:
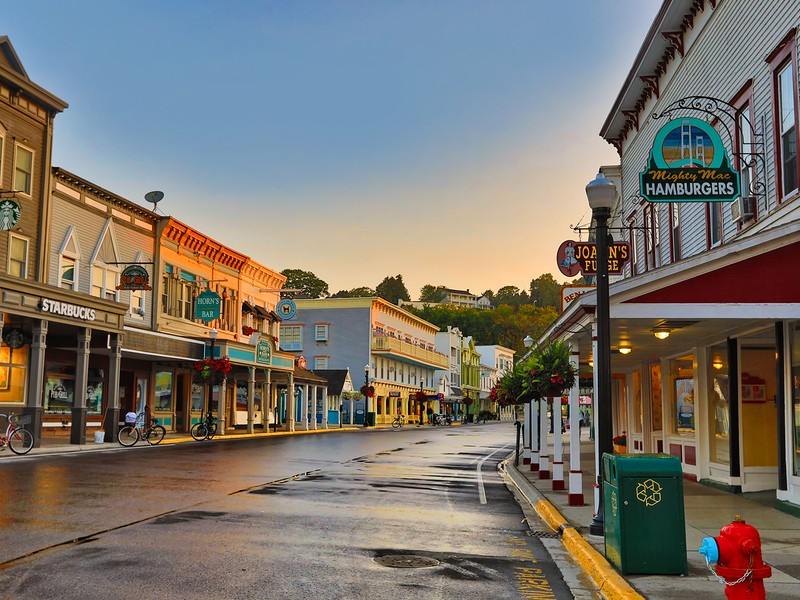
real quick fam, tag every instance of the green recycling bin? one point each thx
(371, 419)
(643, 517)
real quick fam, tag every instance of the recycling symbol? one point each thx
(614, 505)
(648, 492)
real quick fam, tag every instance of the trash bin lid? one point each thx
(647, 464)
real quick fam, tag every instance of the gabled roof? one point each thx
(335, 379)
(13, 73)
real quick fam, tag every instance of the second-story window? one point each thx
(23, 170)
(104, 282)
(18, 257)
(675, 229)
(783, 64)
(68, 273)
(291, 338)
(714, 224)
(321, 333)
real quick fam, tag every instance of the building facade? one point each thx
(380, 343)
(705, 321)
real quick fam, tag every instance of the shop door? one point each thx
(758, 415)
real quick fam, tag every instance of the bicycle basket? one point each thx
(20, 419)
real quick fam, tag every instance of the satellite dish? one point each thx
(154, 197)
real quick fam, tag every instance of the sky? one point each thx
(447, 141)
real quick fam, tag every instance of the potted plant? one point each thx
(368, 391)
(620, 443)
(551, 374)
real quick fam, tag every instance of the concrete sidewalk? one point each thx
(58, 443)
(706, 510)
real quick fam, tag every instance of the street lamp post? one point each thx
(601, 193)
(366, 395)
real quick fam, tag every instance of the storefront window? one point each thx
(718, 421)
(198, 398)
(59, 390)
(12, 374)
(794, 338)
(94, 397)
(682, 401)
(163, 400)
(655, 396)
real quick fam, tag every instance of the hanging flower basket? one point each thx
(420, 396)
(368, 391)
(551, 373)
(211, 370)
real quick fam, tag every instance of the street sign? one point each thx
(207, 306)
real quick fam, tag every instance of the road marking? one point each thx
(481, 490)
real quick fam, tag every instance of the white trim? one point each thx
(732, 310)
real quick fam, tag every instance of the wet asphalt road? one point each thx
(411, 513)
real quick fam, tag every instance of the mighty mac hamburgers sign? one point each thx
(688, 163)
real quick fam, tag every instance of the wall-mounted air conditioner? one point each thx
(743, 209)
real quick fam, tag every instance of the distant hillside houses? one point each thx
(461, 298)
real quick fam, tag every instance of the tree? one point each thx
(359, 292)
(310, 285)
(432, 293)
(509, 294)
(393, 289)
(546, 291)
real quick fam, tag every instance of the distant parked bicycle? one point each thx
(19, 439)
(205, 429)
(135, 430)
(399, 421)
(441, 419)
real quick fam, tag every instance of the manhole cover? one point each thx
(406, 561)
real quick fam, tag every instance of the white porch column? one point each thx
(533, 427)
(251, 394)
(304, 409)
(544, 452)
(575, 473)
(526, 434)
(313, 405)
(325, 407)
(352, 408)
(291, 404)
(558, 445)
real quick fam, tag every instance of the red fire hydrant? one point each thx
(737, 552)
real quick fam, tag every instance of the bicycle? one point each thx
(19, 439)
(399, 421)
(205, 429)
(133, 432)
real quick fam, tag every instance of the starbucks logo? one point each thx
(9, 214)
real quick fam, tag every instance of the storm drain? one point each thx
(406, 561)
(546, 534)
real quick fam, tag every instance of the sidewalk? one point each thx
(58, 443)
(706, 511)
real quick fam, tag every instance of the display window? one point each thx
(719, 406)
(682, 402)
(13, 368)
(164, 390)
(794, 340)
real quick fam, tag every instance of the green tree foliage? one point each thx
(511, 295)
(432, 293)
(546, 291)
(392, 289)
(310, 285)
(506, 325)
(359, 292)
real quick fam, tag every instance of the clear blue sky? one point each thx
(448, 141)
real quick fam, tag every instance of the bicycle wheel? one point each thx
(396, 423)
(155, 434)
(212, 430)
(199, 431)
(128, 435)
(21, 441)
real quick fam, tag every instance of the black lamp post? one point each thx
(212, 335)
(601, 193)
(366, 395)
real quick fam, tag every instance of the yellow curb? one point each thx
(605, 577)
(551, 516)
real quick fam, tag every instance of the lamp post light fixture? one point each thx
(601, 193)
(366, 395)
(528, 341)
(212, 335)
